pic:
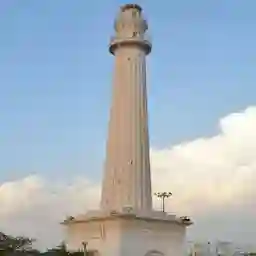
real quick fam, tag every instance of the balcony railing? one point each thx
(144, 37)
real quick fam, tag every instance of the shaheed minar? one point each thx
(126, 224)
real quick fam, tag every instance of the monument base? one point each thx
(127, 234)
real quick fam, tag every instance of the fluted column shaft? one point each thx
(127, 180)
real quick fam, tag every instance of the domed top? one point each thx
(130, 18)
(131, 6)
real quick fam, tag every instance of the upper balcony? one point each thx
(143, 41)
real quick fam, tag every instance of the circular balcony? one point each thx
(143, 41)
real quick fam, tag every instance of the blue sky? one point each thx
(55, 73)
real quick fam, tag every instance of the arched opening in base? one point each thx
(154, 253)
(92, 253)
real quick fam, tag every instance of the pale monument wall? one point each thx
(128, 237)
(101, 235)
(142, 237)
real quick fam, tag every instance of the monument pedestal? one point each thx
(127, 234)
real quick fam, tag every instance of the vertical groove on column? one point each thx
(147, 148)
(142, 130)
(136, 112)
(142, 174)
(130, 173)
(140, 95)
(124, 147)
(133, 123)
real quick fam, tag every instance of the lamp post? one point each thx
(84, 248)
(163, 196)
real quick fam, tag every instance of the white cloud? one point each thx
(210, 177)
(34, 206)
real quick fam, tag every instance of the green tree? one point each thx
(12, 244)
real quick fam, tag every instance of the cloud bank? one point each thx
(211, 178)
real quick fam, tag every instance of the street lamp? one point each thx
(163, 196)
(84, 244)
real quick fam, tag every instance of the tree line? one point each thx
(21, 245)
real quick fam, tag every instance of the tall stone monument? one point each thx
(126, 224)
(127, 170)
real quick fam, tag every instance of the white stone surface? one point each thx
(128, 236)
(126, 225)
